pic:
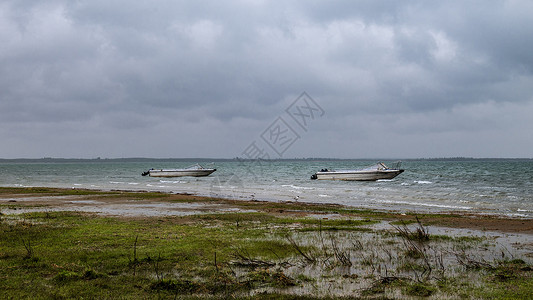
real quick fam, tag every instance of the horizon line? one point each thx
(271, 159)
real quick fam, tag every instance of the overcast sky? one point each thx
(220, 79)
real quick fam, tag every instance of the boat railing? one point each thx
(396, 165)
(200, 167)
(194, 167)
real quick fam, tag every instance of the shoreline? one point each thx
(430, 187)
(146, 205)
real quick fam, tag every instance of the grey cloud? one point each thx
(404, 70)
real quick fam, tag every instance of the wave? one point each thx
(427, 204)
(297, 187)
(423, 182)
(173, 181)
(516, 215)
(231, 187)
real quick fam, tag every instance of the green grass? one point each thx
(263, 254)
(65, 253)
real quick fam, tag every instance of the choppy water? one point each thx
(502, 187)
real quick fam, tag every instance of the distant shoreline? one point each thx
(147, 159)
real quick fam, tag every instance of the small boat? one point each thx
(194, 171)
(372, 173)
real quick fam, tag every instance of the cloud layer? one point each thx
(206, 78)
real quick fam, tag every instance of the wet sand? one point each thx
(187, 204)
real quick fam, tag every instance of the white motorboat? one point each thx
(372, 173)
(194, 171)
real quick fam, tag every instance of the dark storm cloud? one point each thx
(109, 78)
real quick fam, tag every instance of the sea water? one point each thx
(494, 187)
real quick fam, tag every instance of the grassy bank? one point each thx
(278, 250)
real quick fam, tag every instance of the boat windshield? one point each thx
(378, 166)
(375, 167)
(381, 166)
(194, 167)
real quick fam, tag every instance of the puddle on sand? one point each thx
(345, 263)
(126, 209)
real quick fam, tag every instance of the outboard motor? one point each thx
(313, 177)
(145, 173)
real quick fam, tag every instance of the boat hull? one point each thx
(180, 173)
(358, 175)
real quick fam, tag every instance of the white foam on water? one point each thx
(297, 187)
(173, 181)
(230, 187)
(516, 215)
(426, 204)
(423, 182)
